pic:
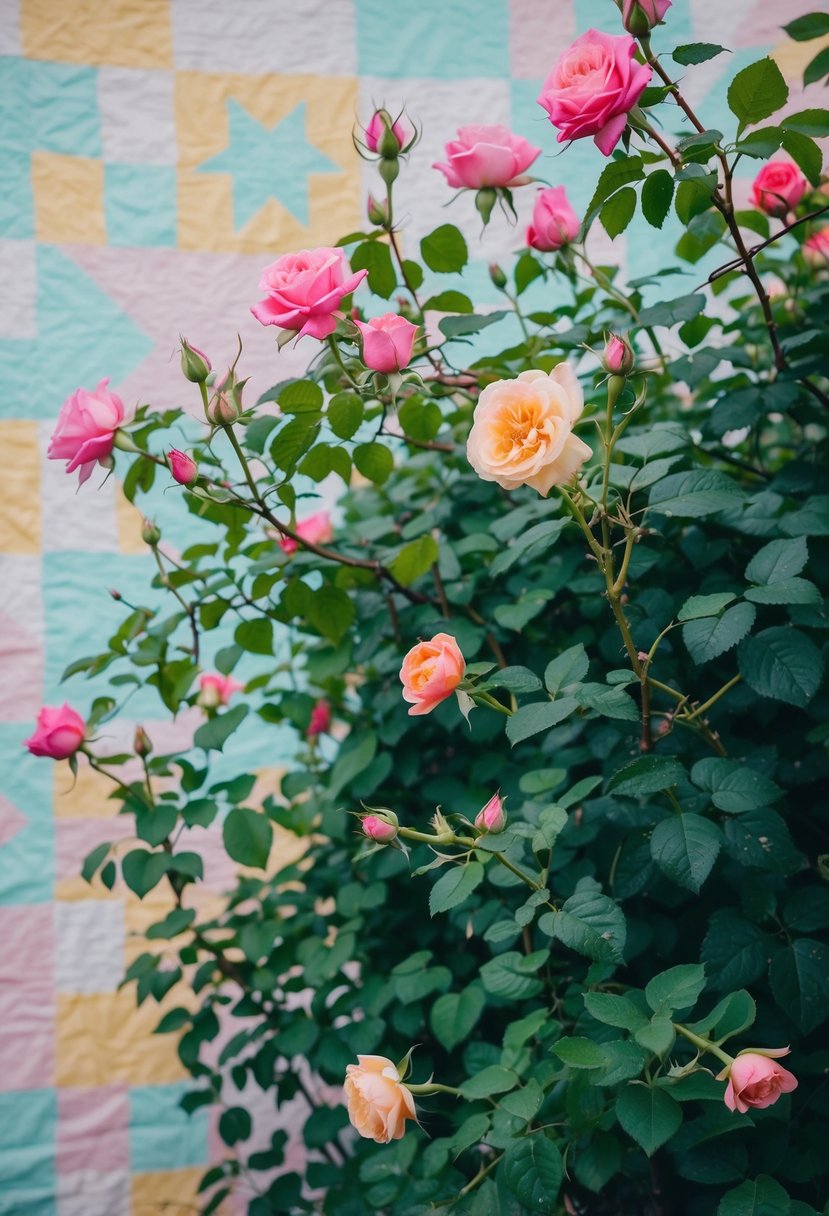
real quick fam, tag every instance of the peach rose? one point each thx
(778, 187)
(431, 672)
(378, 1103)
(755, 1080)
(522, 432)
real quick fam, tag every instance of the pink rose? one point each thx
(379, 122)
(316, 529)
(183, 467)
(487, 156)
(640, 16)
(381, 831)
(216, 690)
(320, 720)
(59, 733)
(492, 817)
(387, 342)
(378, 1102)
(554, 221)
(431, 672)
(85, 432)
(593, 87)
(815, 249)
(755, 1080)
(303, 291)
(778, 187)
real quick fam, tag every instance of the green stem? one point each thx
(432, 1087)
(491, 701)
(704, 1044)
(712, 700)
(525, 878)
(249, 478)
(335, 350)
(595, 547)
(429, 838)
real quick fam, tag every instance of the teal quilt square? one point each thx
(140, 205)
(462, 39)
(162, 1135)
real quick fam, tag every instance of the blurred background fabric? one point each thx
(156, 154)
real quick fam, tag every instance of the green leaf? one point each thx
(757, 92)
(489, 1081)
(455, 1015)
(693, 494)
(590, 923)
(213, 734)
(778, 561)
(734, 950)
(235, 1124)
(693, 198)
(93, 860)
(453, 887)
(415, 560)
(647, 775)
(658, 1036)
(705, 605)
(814, 123)
(762, 1197)
(734, 1014)
(598, 1161)
(142, 870)
(534, 1171)
(174, 922)
(805, 152)
(331, 611)
(375, 257)
(420, 419)
(807, 27)
(449, 301)
(354, 757)
(569, 667)
(255, 636)
(781, 663)
(460, 327)
(345, 413)
(733, 786)
(444, 250)
(247, 836)
(293, 440)
(649, 1116)
(612, 702)
(514, 976)
(523, 1103)
(685, 848)
(697, 52)
(799, 976)
(300, 396)
(618, 211)
(529, 544)
(614, 176)
(613, 1010)
(528, 720)
(513, 679)
(713, 636)
(677, 988)
(789, 591)
(579, 1053)
(374, 461)
(816, 70)
(657, 193)
(672, 312)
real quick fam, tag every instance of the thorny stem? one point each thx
(189, 608)
(703, 1044)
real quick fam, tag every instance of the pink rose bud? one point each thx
(778, 187)
(554, 222)
(640, 16)
(116, 595)
(183, 467)
(316, 530)
(378, 213)
(381, 831)
(59, 733)
(150, 533)
(378, 1102)
(86, 429)
(815, 249)
(216, 690)
(303, 291)
(195, 364)
(384, 136)
(618, 357)
(497, 276)
(320, 720)
(142, 743)
(388, 342)
(483, 156)
(492, 818)
(431, 672)
(754, 1079)
(592, 88)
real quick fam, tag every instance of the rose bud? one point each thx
(378, 1102)
(496, 274)
(618, 358)
(378, 213)
(384, 136)
(492, 818)
(142, 743)
(58, 734)
(754, 1079)
(778, 187)
(184, 469)
(150, 533)
(216, 690)
(320, 720)
(195, 364)
(554, 223)
(431, 672)
(640, 16)
(815, 249)
(388, 342)
(381, 831)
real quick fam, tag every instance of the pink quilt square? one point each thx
(27, 1002)
(93, 1129)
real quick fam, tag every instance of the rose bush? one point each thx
(582, 564)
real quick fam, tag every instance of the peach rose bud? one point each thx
(58, 734)
(755, 1080)
(378, 829)
(492, 818)
(378, 1102)
(618, 357)
(431, 672)
(183, 467)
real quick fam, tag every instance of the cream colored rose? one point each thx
(378, 1103)
(522, 432)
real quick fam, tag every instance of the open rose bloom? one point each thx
(304, 290)
(316, 529)
(755, 1080)
(216, 689)
(378, 1102)
(431, 672)
(593, 87)
(58, 734)
(484, 156)
(85, 432)
(522, 431)
(778, 187)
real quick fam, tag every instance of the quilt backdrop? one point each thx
(154, 156)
